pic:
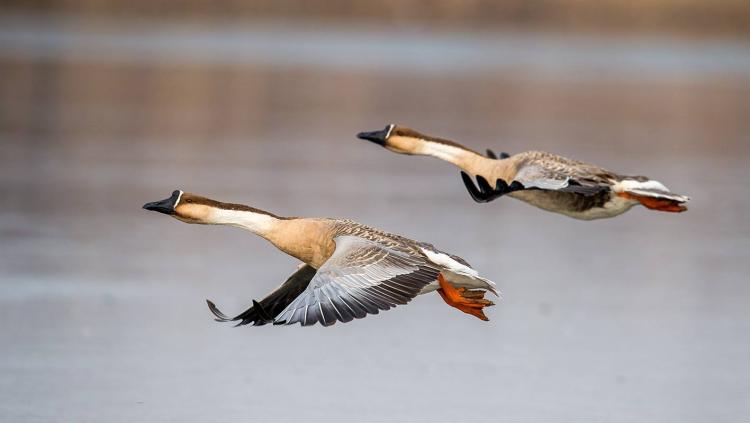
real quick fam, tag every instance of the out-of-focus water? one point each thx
(102, 314)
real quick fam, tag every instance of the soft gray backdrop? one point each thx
(102, 315)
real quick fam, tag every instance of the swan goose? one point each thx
(545, 180)
(349, 270)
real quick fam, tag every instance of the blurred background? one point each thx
(105, 106)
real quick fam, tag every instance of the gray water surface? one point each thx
(102, 305)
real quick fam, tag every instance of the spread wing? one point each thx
(361, 277)
(548, 176)
(263, 312)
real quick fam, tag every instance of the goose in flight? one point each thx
(349, 270)
(545, 180)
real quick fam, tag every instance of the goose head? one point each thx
(189, 208)
(398, 139)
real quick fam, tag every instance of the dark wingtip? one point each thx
(220, 317)
(516, 186)
(475, 194)
(491, 154)
(484, 186)
(483, 192)
(262, 312)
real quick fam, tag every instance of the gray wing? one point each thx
(560, 179)
(361, 277)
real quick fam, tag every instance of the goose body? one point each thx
(348, 270)
(545, 180)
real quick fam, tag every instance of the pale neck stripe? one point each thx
(178, 200)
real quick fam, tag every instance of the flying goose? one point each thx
(545, 180)
(349, 270)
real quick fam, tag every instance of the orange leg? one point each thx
(470, 302)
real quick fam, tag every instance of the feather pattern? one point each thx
(537, 169)
(361, 277)
(367, 271)
(586, 191)
(263, 311)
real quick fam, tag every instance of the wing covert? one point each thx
(361, 277)
(550, 178)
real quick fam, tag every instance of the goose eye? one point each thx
(188, 201)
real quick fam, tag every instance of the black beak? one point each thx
(165, 206)
(378, 137)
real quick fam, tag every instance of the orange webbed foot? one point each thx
(469, 301)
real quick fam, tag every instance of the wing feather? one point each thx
(557, 178)
(361, 277)
(263, 311)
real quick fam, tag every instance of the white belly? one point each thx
(615, 206)
(546, 201)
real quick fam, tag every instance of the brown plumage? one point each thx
(350, 270)
(545, 180)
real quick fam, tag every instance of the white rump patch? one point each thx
(446, 261)
(460, 274)
(628, 185)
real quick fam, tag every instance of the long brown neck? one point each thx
(465, 159)
(308, 240)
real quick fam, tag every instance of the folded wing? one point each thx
(550, 177)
